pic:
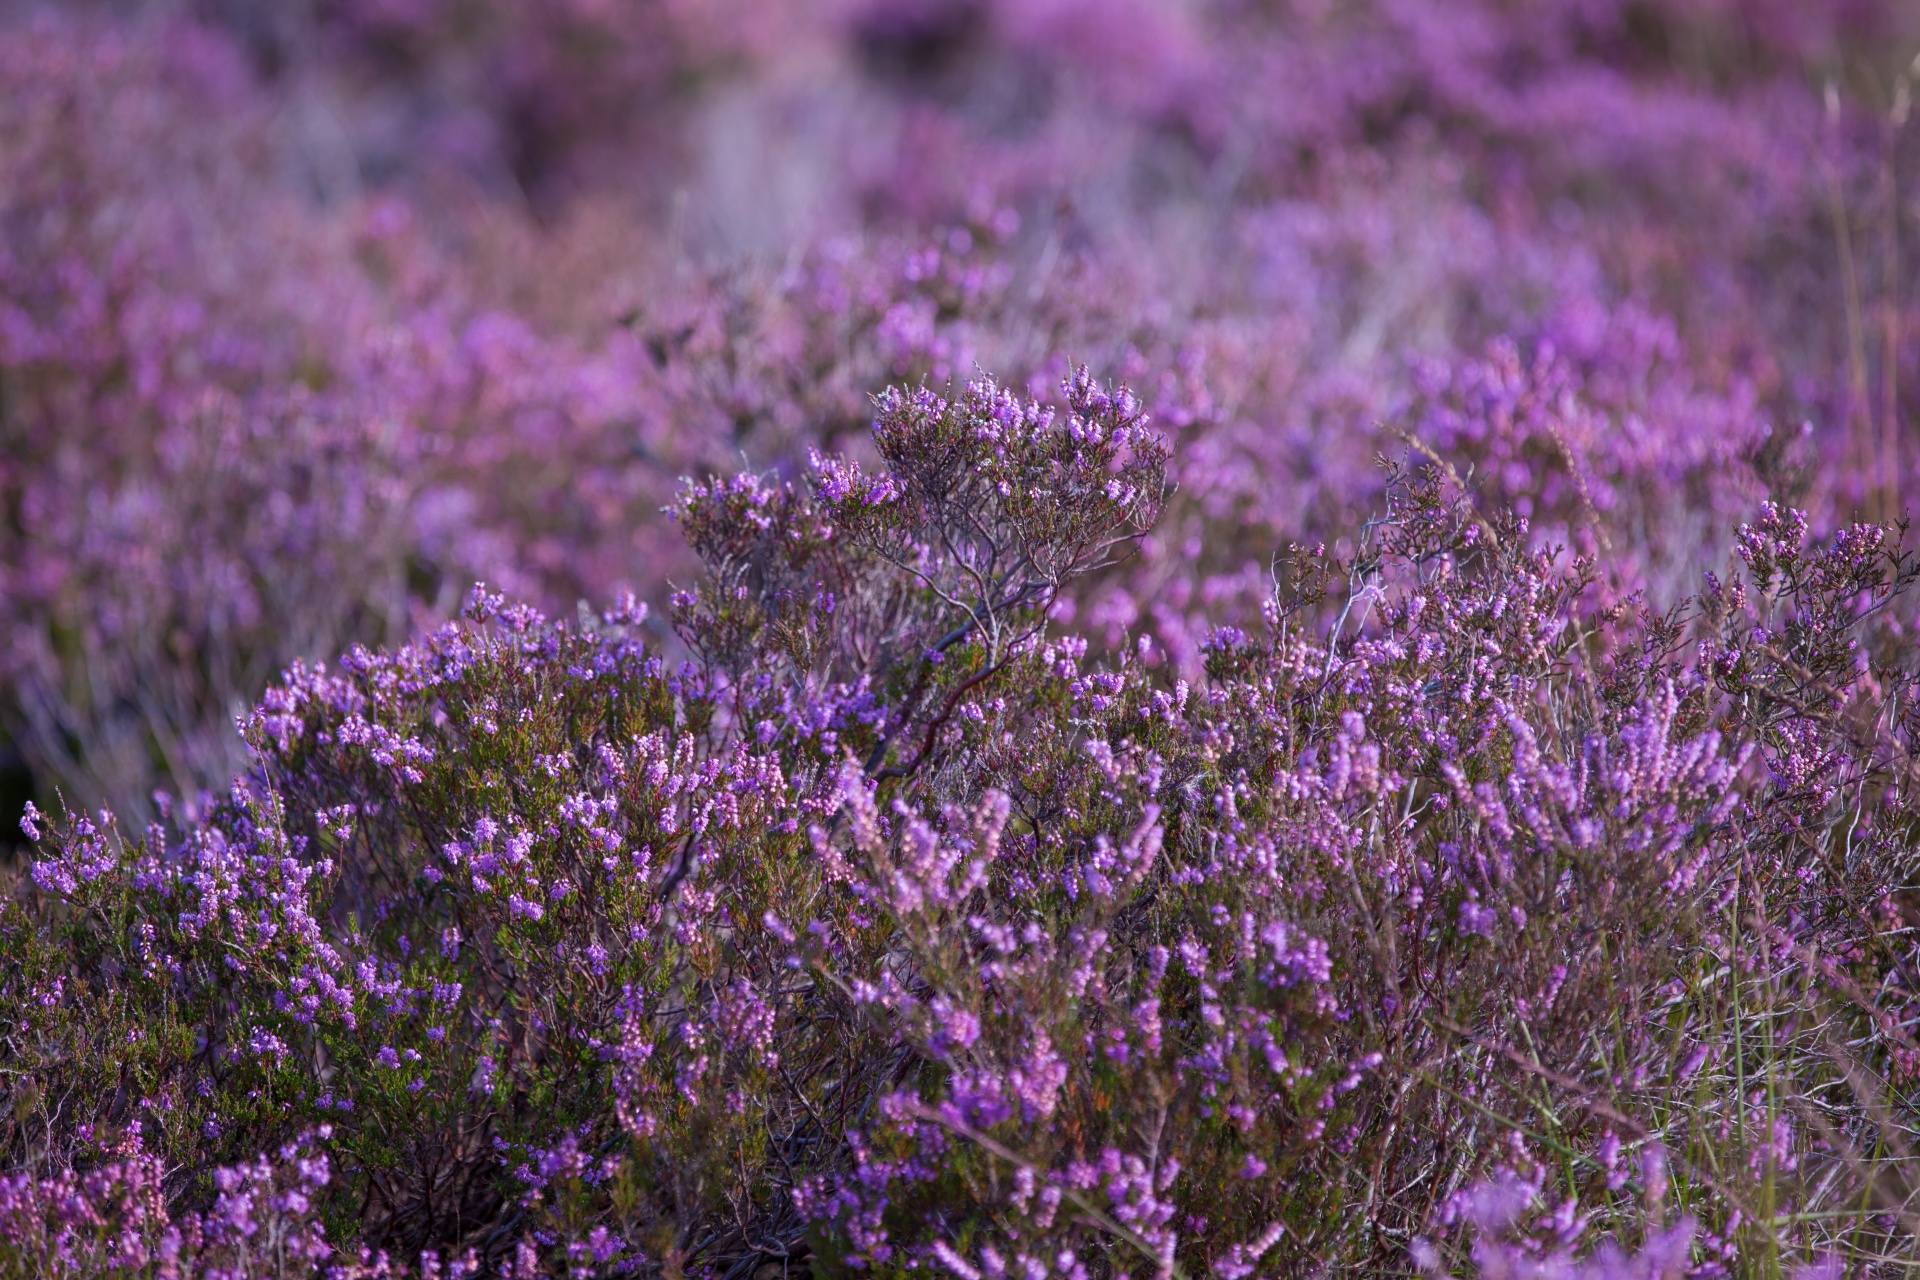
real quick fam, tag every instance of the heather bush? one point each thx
(890, 929)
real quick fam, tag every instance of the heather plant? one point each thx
(894, 928)
(597, 907)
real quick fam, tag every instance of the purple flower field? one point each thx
(994, 639)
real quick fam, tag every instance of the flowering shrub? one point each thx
(891, 929)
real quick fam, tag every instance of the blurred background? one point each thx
(312, 312)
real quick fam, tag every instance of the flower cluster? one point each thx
(113, 1220)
